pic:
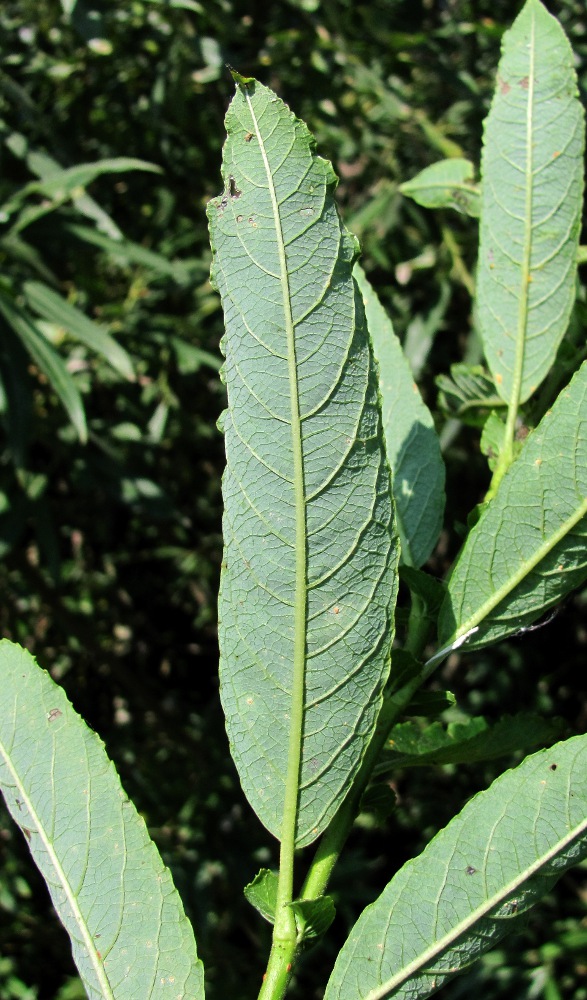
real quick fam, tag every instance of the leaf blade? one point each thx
(54, 308)
(50, 363)
(446, 184)
(532, 184)
(413, 448)
(107, 882)
(282, 262)
(491, 863)
(527, 551)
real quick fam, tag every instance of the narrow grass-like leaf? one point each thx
(62, 183)
(131, 253)
(54, 308)
(495, 860)
(116, 899)
(413, 448)
(532, 184)
(308, 582)
(528, 549)
(447, 184)
(48, 362)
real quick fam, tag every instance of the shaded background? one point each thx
(110, 551)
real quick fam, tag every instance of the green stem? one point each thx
(336, 835)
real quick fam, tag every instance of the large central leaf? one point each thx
(308, 579)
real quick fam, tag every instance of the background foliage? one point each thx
(111, 549)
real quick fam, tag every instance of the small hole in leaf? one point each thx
(470, 870)
(553, 767)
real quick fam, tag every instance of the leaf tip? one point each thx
(239, 79)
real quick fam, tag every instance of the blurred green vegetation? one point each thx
(110, 460)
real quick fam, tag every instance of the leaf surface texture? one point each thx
(130, 937)
(493, 861)
(308, 582)
(531, 194)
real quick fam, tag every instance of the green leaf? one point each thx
(54, 308)
(63, 183)
(308, 582)
(128, 252)
(447, 184)
(532, 185)
(262, 893)
(528, 549)
(431, 703)
(448, 906)
(492, 438)
(466, 391)
(412, 445)
(466, 743)
(116, 899)
(49, 362)
(313, 916)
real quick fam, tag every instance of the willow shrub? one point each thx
(333, 490)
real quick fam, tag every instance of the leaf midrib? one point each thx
(294, 758)
(517, 578)
(64, 882)
(467, 924)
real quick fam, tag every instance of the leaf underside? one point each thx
(493, 861)
(412, 445)
(532, 186)
(308, 582)
(130, 937)
(528, 551)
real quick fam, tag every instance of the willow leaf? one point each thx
(116, 899)
(493, 861)
(528, 549)
(446, 184)
(413, 448)
(308, 582)
(532, 185)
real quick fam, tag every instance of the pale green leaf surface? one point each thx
(49, 362)
(129, 934)
(412, 445)
(528, 550)
(262, 893)
(308, 582)
(532, 185)
(492, 862)
(446, 184)
(54, 308)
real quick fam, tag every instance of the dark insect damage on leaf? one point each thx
(232, 188)
(470, 870)
(54, 714)
(248, 136)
